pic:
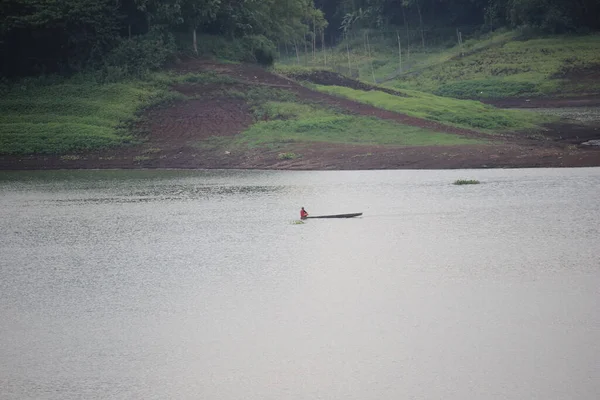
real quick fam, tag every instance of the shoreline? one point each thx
(323, 157)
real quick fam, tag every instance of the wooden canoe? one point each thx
(336, 216)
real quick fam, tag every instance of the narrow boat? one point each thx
(337, 216)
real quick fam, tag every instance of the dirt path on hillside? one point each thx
(568, 134)
(252, 74)
(176, 137)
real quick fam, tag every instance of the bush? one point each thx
(252, 48)
(139, 55)
(259, 49)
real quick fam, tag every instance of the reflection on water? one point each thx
(194, 284)
(173, 193)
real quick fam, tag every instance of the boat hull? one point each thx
(335, 216)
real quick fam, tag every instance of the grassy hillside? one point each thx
(73, 115)
(293, 122)
(499, 65)
(558, 65)
(60, 116)
(467, 114)
(67, 116)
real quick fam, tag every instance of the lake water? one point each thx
(199, 285)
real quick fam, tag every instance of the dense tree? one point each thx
(40, 35)
(67, 35)
(547, 15)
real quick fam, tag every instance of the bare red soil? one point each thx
(172, 135)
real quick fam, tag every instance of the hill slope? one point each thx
(500, 65)
(242, 116)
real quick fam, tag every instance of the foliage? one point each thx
(50, 36)
(253, 48)
(288, 156)
(258, 49)
(66, 36)
(141, 54)
(548, 15)
(57, 36)
(461, 113)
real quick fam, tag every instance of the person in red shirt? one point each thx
(303, 213)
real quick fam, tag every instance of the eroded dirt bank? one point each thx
(329, 157)
(172, 135)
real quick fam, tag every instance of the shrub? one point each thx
(259, 49)
(287, 156)
(466, 182)
(139, 55)
(253, 48)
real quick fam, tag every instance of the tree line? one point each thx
(62, 36)
(550, 16)
(49, 36)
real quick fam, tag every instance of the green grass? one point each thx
(72, 116)
(466, 182)
(514, 68)
(461, 113)
(257, 95)
(500, 65)
(66, 116)
(53, 115)
(290, 122)
(486, 88)
(382, 61)
(288, 156)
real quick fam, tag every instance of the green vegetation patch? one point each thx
(466, 182)
(381, 61)
(486, 88)
(289, 122)
(288, 156)
(511, 69)
(498, 65)
(462, 113)
(53, 138)
(71, 116)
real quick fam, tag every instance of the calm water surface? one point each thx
(197, 285)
